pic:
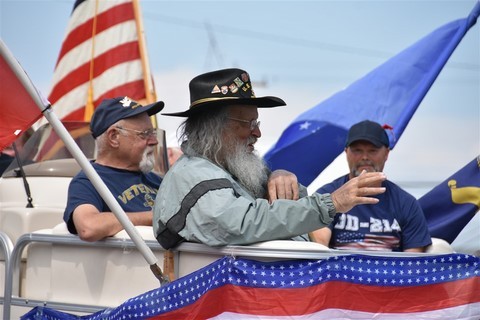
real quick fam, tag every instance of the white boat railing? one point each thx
(188, 257)
(12, 278)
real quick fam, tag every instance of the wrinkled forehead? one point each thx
(139, 119)
(243, 111)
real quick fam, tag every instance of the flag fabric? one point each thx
(389, 95)
(339, 287)
(452, 205)
(19, 100)
(101, 57)
(467, 240)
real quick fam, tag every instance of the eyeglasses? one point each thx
(253, 123)
(142, 134)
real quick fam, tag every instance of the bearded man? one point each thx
(125, 141)
(220, 192)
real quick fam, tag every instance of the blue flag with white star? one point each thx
(389, 95)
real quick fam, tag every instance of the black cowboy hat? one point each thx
(221, 88)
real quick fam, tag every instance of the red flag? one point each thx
(102, 56)
(19, 100)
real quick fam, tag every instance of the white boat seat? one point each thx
(439, 246)
(49, 203)
(103, 276)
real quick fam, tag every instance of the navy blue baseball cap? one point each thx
(368, 131)
(111, 111)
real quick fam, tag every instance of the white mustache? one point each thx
(149, 150)
(251, 140)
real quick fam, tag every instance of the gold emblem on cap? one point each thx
(238, 82)
(216, 89)
(233, 88)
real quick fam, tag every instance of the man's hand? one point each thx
(358, 191)
(282, 184)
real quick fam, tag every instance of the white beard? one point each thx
(249, 169)
(148, 160)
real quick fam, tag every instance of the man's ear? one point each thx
(112, 136)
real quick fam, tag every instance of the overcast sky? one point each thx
(301, 51)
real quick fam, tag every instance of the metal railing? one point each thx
(291, 250)
(12, 274)
(7, 248)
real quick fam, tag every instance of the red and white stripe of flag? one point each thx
(100, 52)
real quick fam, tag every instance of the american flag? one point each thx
(340, 287)
(101, 57)
(360, 241)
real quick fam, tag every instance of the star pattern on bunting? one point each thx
(354, 269)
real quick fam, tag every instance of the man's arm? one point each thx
(321, 236)
(415, 234)
(422, 249)
(93, 225)
(283, 184)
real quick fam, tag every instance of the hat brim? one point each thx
(150, 109)
(261, 102)
(155, 108)
(377, 143)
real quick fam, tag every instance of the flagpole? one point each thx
(149, 89)
(89, 105)
(44, 106)
(150, 94)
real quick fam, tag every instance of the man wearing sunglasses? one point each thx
(125, 141)
(220, 191)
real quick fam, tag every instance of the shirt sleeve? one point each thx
(415, 232)
(80, 191)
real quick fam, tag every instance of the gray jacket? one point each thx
(200, 202)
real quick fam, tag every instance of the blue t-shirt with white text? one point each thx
(395, 223)
(134, 191)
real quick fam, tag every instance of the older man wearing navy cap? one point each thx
(125, 141)
(220, 191)
(396, 223)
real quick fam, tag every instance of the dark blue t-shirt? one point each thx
(395, 223)
(134, 191)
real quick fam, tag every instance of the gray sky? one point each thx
(301, 51)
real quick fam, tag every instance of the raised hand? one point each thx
(358, 191)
